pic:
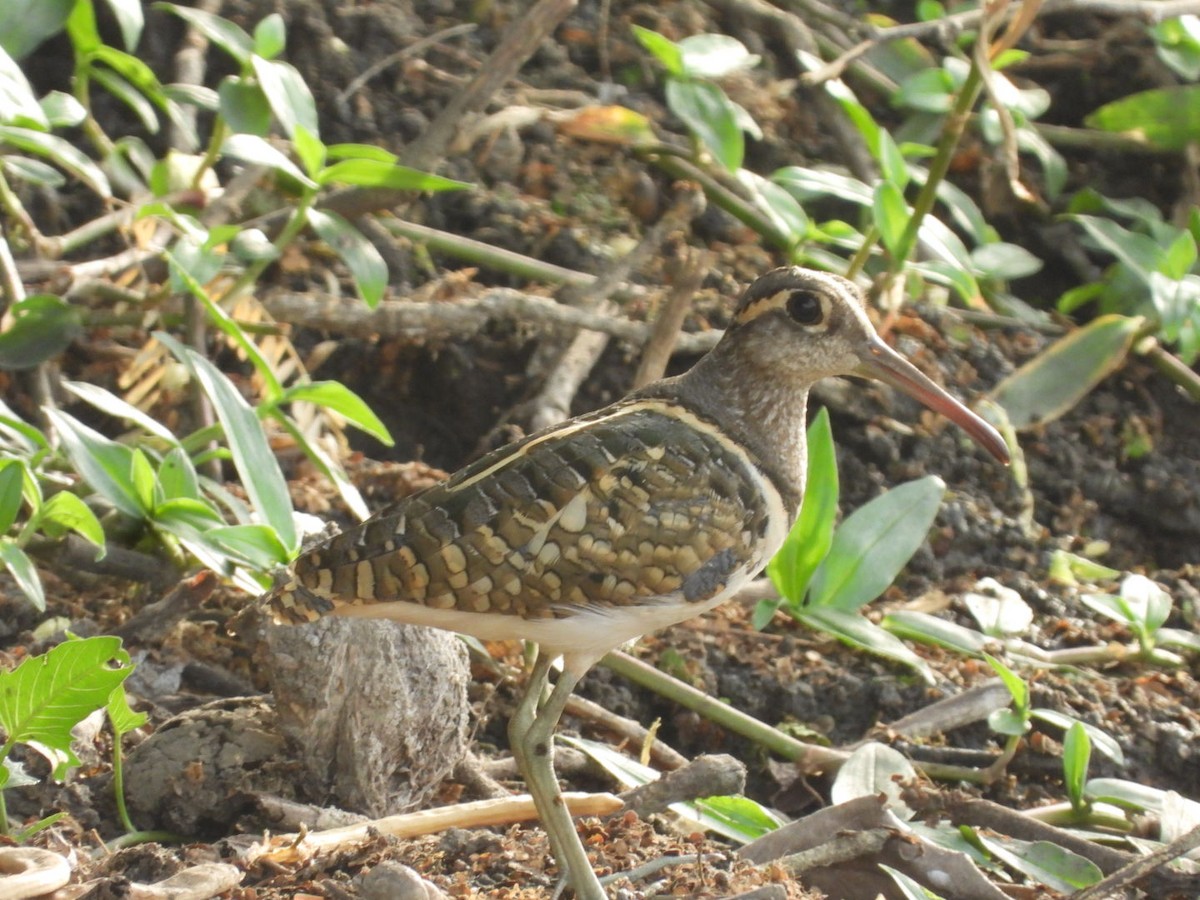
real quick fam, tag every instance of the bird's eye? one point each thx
(805, 307)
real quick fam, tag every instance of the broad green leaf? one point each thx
(375, 173)
(1125, 794)
(1140, 252)
(366, 264)
(665, 50)
(66, 512)
(222, 32)
(874, 769)
(256, 150)
(1166, 118)
(714, 56)
(43, 326)
(130, 19)
(805, 184)
(110, 403)
(918, 626)
(1044, 862)
(244, 106)
(60, 152)
(33, 171)
(1068, 568)
(177, 477)
(1077, 754)
(46, 696)
(1177, 637)
(874, 544)
(310, 150)
(776, 202)
(290, 98)
(1004, 261)
(892, 164)
(791, 569)
(323, 463)
(141, 474)
(18, 104)
(1050, 384)
(930, 90)
(858, 632)
(335, 396)
(256, 545)
(360, 151)
(709, 114)
(1008, 722)
(740, 818)
(180, 514)
(24, 573)
(891, 216)
(1147, 603)
(12, 483)
(252, 456)
(24, 24)
(270, 36)
(120, 716)
(103, 463)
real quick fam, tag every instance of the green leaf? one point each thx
(66, 512)
(1004, 261)
(892, 164)
(123, 719)
(858, 632)
(875, 543)
(141, 474)
(791, 569)
(1077, 753)
(709, 114)
(664, 49)
(741, 818)
(177, 477)
(290, 99)
(376, 173)
(910, 888)
(1044, 862)
(46, 696)
(104, 464)
(59, 152)
(1166, 118)
(918, 626)
(33, 171)
(43, 326)
(1052, 383)
(335, 396)
(244, 106)
(252, 456)
(12, 483)
(258, 546)
(18, 104)
(366, 264)
(130, 20)
(256, 150)
(270, 36)
(1148, 604)
(130, 96)
(1140, 252)
(1001, 612)
(1125, 794)
(310, 150)
(360, 151)
(24, 573)
(930, 90)
(110, 403)
(226, 35)
(891, 216)
(24, 24)
(714, 56)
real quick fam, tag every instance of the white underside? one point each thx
(581, 638)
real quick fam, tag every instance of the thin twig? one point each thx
(691, 267)
(417, 46)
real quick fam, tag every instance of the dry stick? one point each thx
(403, 318)
(690, 268)
(663, 755)
(711, 775)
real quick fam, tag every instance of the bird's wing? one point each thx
(624, 507)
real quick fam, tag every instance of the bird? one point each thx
(590, 533)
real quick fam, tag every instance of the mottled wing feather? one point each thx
(626, 508)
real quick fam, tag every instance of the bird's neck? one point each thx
(761, 410)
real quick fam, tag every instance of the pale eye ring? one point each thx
(805, 307)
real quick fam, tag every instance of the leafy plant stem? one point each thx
(13, 206)
(809, 756)
(212, 153)
(119, 785)
(956, 122)
(863, 253)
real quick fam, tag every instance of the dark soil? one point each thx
(581, 206)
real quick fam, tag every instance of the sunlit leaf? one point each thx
(43, 326)
(222, 32)
(1167, 118)
(874, 544)
(244, 106)
(335, 396)
(1100, 739)
(856, 631)
(609, 125)
(60, 152)
(24, 573)
(665, 50)
(918, 626)
(891, 216)
(366, 264)
(1050, 384)
(18, 104)
(288, 94)
(270, 36)
(253, 149)
(874, 769)
(714, 56)
(1044, 862)
(374, 173)
(24, 24)
(104, 464)
(706, 110)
